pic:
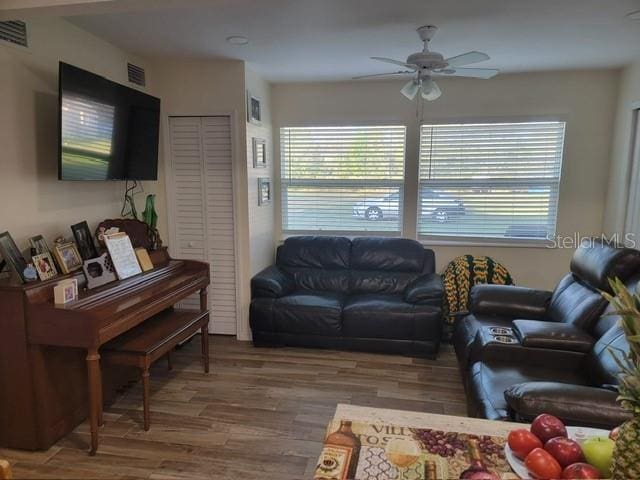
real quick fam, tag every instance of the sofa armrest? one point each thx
(272, 282)
(426, 290)
(509, 301)
(560, 336)
(574, 404)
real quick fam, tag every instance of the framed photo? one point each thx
(12, 255)
(84, 240)
(259, 153)
(68, 256)
(254, 109)
(44, 266)
(264, 191)
(64, 292)
(99, 271)
(39, 244)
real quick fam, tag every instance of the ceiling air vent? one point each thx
(136, 74)
(14, 31)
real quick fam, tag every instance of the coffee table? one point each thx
(435, 421)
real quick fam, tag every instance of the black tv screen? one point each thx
(107, 131)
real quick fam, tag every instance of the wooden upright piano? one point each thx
(50, 371)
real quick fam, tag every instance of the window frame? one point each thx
(285, 233)
(473, 241)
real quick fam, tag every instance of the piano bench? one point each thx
(151, 340)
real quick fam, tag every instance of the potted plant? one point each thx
(626, 454)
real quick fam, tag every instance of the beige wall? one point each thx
(585, 99)
(261, 218)
(203, 88)
(33, 200)
(615, 212)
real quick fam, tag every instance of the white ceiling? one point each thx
(293, 40)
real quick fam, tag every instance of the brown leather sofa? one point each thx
(557, 358)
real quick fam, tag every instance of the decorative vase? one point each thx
(150, 216)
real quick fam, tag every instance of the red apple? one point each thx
(564, 450)
(546, 427)
(580, 471)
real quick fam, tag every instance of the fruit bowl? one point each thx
(579, 434)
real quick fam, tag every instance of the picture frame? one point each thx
(122, 255)
(12, 256)
(254, 109)
(65, 292)
(39, 244)
(259, 152)
(99, 271)
(84, 240)
(264, 191)
(45, 266)
(67, 256)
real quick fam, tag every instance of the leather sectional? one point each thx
(369, 293)
(523, 352)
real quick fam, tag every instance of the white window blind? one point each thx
(490, 180)
(342, 178)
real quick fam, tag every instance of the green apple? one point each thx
(598, 451)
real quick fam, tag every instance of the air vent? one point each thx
(14, 31)
(136, 74)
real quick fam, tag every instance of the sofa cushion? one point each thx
(316, 263)
(573, 404)
(489, 381)
(576, 303)
(594, 262)
(390, 254)
(389, 316)
(309, 312)
(561, 336)
(329, 253)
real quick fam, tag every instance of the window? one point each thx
(342, 179)
(490, 180)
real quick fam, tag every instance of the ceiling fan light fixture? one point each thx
(430, 90)
(237, 40)
(411, 88)
(633, 15)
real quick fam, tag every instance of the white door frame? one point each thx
(170, 192)
(632, 220)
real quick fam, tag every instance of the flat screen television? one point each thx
(107, 131)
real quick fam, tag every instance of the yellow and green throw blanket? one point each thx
(461, 274)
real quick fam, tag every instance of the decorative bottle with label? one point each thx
(345, 438)
(477, 470)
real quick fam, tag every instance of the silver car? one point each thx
(436, 206)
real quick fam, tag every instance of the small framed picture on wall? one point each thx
(259, 153)
(264, 191)
(254, 109)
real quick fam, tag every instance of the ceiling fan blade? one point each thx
(467, 59)
(404, 72)
(411, 88)
(485, 73)
(395, 62)
(430, 90)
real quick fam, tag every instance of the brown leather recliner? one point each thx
(573, 306)
(579, 388)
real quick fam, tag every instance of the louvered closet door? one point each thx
(203, 209)
(216, 142)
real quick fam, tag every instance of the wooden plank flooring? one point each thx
(260, 414)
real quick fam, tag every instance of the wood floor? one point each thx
(260, 413)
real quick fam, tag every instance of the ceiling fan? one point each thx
(426, 65)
